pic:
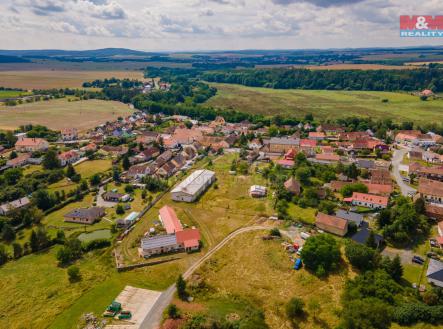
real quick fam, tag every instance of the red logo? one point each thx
(421, 22)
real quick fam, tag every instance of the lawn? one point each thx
(59, 113)
(325, 104)
(225, 207)
(305, 215)
(47, 79)
(88, 168)
(260, 273)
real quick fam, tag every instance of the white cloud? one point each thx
(209, 24)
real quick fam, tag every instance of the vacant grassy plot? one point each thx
(47, 79)
(58, 114)
(325, 104)
(261, 273)
(91, 167)
(225, 207)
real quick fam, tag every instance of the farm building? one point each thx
(193, 186)
(31, 145)
(368, 200)
(6, 208)
(169, 220)
(186, 240)
(331, 224)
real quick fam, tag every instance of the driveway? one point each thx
(396, 161)
(153, 319)
(101, 202)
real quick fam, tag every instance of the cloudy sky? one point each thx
(208, 24)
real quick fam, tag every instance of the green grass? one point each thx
(89, 168)
(12, 93)
(305, 215)
(324, 104)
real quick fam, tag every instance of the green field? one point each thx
(325, 104)
(12, 93)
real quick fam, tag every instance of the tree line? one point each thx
(371, 80)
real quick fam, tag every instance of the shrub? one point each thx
(173, 312)
(74, 274)
(361, 256)
(294, 308)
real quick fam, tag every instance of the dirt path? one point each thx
(153, 319)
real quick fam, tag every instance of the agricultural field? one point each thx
(325, 104)
(61, 113)
(58, 78)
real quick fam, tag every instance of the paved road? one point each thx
(154, 317)
(396, 160)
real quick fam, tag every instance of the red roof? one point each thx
(364, 197)
(285, 163)
(327, 157)
(379, 188)
(314, 134)
(189, 237)
(170, 221)
(308, 143)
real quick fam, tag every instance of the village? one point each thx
(346, 179)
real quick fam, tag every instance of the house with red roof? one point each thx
(67, 157)
(316, 136)
(31, 145)
(331, 224)
(368, 200)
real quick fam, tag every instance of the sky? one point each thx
(186, 25)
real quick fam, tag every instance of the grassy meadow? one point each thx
(326, 104)
(60, 113)
(12, 93)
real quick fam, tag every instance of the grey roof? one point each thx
(350, 216)
(435, 270)
(367, 164)
(6, 207)
(284, 141)
(194, 182)
(90, 213)
(159, 241)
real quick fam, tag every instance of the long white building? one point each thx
(193, 186)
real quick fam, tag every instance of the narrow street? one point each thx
(396, 161)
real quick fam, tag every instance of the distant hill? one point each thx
(106, 52)
(12, 59)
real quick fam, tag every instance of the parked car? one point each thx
(298, 264)
(299, 251)
(418, 260)
(305, 235)
(433, 255)
(433, 243)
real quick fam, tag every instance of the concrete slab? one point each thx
(139, 302)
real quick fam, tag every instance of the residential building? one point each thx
(431, 190)
(292, 186)
(8, 207)
(280, 144)
(379, 189)
(68, 157)
(435, 272)
(331, 224)
(85, 215)
(19, 161)
(368, 200)
(350, 216)
(69, 134)
(147, 137)
(140, 171)
(327, 158)
(112, 196)
(193, 186)
(31, 145)
(313, 135)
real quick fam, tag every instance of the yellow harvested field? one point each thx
(47, 79)
(58, 114)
